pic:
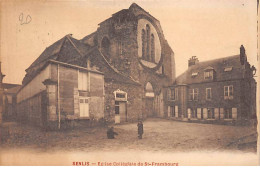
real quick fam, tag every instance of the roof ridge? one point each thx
(63, 39)
(68, 37)
(136, 5)
(212, 60)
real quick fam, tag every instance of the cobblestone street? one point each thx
(159, 135)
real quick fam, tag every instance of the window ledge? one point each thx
(228, 119)
(84, 118)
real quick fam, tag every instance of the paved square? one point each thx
(159, 135)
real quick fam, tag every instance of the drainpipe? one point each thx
(58, 94)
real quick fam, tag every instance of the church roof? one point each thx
(75, 52)
(195, 73)
(109, 71)
(133, 11)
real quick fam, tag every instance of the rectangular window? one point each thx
(228, 113)
(190, 94)
(173, 94)
(196, 93)
(208, 94)
(194, 74)
(193, 113)
(176, 93)
(228, 92)
(169, 94)
(211, 113)
(193, 94)
(172, 111)
(82, 81)
(116, 107)
(227, 69)
(120, 95)
(81, 100)
(208, 74)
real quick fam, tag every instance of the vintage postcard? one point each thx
(129, 83)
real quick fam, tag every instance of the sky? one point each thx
(206, 29)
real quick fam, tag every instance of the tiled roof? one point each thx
(13, 90)
(9, 85)
(218, 65)
(53, 50)
(73, 51)
(48, 52)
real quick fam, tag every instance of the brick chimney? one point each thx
(193, 60)
(243, 57)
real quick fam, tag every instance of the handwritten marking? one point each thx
(27, 20)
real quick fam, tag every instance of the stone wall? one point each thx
(134, 100)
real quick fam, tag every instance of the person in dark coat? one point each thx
(110, 133)
(140, 129)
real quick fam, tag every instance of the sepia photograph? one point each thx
(129, 83)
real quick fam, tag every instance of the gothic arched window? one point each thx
(152, 48)
(148, 52)
(143, 44)
(149, 92)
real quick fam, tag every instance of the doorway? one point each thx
(120, 111)
(84, 107)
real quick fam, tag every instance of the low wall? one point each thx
(33, 110)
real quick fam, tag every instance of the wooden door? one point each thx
(84, 107)
(122, 111)
(149, 107)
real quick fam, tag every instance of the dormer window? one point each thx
(194, 74)
(208, 73)
(228, 69)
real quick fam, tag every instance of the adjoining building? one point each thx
(9, 101)
(118, 72)
(222, 89)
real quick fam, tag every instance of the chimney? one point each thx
(193, 60)
(243, 58)
(1, 76)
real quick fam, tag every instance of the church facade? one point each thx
(119, 73)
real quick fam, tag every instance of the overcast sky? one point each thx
(207, 29)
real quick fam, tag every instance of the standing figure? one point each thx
(110, 133)
(140, 129)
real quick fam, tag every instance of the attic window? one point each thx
(194, 74)
(208, 74)
(228, 69)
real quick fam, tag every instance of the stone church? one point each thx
(119, 73)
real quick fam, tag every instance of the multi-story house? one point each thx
(220, 89)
